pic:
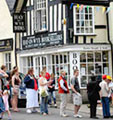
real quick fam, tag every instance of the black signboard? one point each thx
(37, 41)
(88, 2)
(6, 45)
(19, 22)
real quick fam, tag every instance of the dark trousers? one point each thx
(106, 106)
(93, 106)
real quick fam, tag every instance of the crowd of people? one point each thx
(40, 92)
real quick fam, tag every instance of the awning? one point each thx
(88, 2)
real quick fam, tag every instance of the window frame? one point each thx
(87, 75)
(34, 17)
(7, 62)
(75, 20)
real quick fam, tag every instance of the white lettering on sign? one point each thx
(74, 63)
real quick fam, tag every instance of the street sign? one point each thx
(19, 22)
(88, 2)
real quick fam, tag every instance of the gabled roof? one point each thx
(11, 4)
(16, 5)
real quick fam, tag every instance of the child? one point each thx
(5, 99)
(52, 90)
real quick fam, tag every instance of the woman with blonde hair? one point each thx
(31, 91)
(43, 87)
(15, 89)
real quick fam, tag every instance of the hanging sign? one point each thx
(19, 22)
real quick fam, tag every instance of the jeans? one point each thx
(44, 105)
(52, 95)
(106, 106)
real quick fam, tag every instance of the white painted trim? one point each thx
(65, 48)
(31, 2)
(28, 22)
(59, 16)
(55, 17)
(47, 14)
(51, 19)
(64, 26)
(32, 25)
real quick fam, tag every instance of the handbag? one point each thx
(44, 93)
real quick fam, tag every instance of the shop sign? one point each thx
(74, 62)
(6, 45)
(19, 22)
(43, 40)
(88, 2)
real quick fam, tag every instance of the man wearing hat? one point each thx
(104, 96)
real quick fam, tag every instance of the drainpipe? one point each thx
(110, 41)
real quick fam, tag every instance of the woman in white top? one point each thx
(43, 87)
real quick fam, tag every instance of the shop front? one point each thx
(87, 58)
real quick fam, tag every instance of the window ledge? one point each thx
(93, 34)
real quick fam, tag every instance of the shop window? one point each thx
(61, 62)
(83, 57)
(83, 20)
(27, 64)
(40, 15)
(8, 60)
(96, 62)
(90, 57)
(98, 57)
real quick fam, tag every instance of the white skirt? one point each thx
(32, 98)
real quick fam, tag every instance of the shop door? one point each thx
(39, 63)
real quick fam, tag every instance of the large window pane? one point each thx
(105, 56)
(97, 56)
(106, 68)
(90, 57)
(90, 68)
(83, 69)
(83, 81)
(83, 57)
(40, 16)
(98, 68)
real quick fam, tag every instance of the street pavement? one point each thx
(54, 115)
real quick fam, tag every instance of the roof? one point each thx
(88, 2)
(11, 4)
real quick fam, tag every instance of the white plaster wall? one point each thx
(6, 24)
(111, 22)
(6, 29)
